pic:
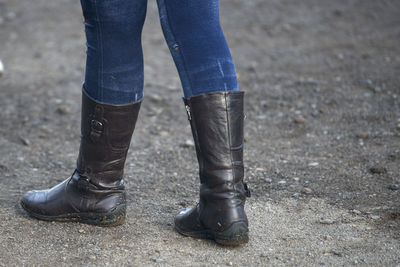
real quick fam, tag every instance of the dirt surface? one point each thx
(322, 134)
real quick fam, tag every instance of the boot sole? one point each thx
(236, 234)
(107, 219)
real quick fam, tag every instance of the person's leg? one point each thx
(194, 36)
(95, 192)
(114, 66)
(215, 110)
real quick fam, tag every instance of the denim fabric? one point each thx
(114, 66)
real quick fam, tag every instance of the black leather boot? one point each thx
(216, 120)
(95, 192)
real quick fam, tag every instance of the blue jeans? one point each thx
(114, 66)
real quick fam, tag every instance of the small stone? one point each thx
(378, 170)
(24, 141)
(81, 231)
(282, 182)
(229, 263)
(1, 68)
(362, 135)
(62, 110)
(328, 237)
(92, 257)
(313, 164)
(188, 143)
(393, 187)
(299, 120)
(296, 179)
(164, 133)
(159, 260)
(377, 89)
(268, 180)
(374, 217)
(155, 98)
(326, 221)
(357, 212)
(337, 253)
(306, 190)
(260, 169)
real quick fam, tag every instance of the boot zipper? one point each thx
(188, 112)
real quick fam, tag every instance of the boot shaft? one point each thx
(216, 120)
(106, 132)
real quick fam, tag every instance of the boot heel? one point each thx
(236, 234)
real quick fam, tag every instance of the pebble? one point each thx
(268, 180)
(282, 182)
(375, 217)
(326, 221)
(357, 212)
(393, 187)
(362, 135)
(62, 110)
(313, 164)
(299, 120)
(296, 179)
(24, 141)
(230, 263)
(1, 68)
(188, 143)
(378, 170)
(154, 98)
(81, 231)
(164, 133)
(306, 190)
(92, 257)
(159, 260)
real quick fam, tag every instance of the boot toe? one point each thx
(31, 201)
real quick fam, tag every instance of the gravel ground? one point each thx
(322, 137)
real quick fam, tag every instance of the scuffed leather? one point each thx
(217, 126)
(97, 184)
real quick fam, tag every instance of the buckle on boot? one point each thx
(83, 183)
(97, 123)
(247, 190)
(96, 130)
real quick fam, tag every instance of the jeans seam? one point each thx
(173, 53)
(99, 41)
